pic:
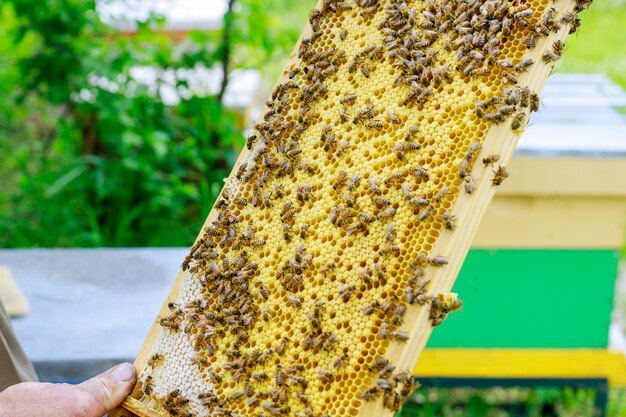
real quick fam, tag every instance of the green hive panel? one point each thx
(532, 299)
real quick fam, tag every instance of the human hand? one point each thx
(93, 398)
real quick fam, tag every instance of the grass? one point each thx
(599, 46)
(510, 402)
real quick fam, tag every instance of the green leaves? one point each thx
(90, 155)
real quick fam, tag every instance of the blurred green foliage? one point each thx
(507, 402)
(90, 157)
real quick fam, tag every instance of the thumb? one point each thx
(107, 390)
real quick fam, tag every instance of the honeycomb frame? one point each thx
(461, 189)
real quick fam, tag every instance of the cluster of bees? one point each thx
(428, 44)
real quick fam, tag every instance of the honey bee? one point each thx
(259, 376)
(354, 182)
(155, 360)
(424, 214)
(374, 124)
(398, 315)
(449, 221)
(278, 377)
(304, 230)
(304, 192)
(253, 400)
(469, 68)
(533, 101)
(506, 110)
(173, 394)
(348, 99)
(371, 393)
(419, 172)
(148, 385)
(379, 270)
(496, 118)
(369, 11)
(366, 217)
(380, 201)
(294, 72)
(278, 190)
(443, 191)
(524, 64)
(406, 146)
(508, 78)
(400, 335)
(346, 291)
(370, 308)
(328, 138)
(330, 266)
(354, 63)
(287, 215)
(470, 184)
(411, 133)
(343, 115)
(369, 112)
(295, 301)
(214, 376)
(518, 120)
(471, 151)
(390, 233)
(419, 202)
(373, 186)
(263, 290)
(287, 232)
(500, 174)
(265, 313)
(355, 228)
(343, 34)
(549, 22)
(549, 56)
(568, 18)
(437, 261)
(491, 159)
(395, 177)
(383, 332)
(325, 375)
(334, 214)
(282, 346)
(522, 15)
(406, 192)
(386, 214)
(393, 117)
(167, 323)
(365, 275)
(379, 364)
(329, 342)
(340, 180)
(531, 40)
(329, 71)
(341, 361)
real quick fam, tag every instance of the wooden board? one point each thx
(531, 299)
(523, 363)
(553, 222)
(11, 296)
(469, 209)
(566, 176)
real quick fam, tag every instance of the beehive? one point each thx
(331, 250)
